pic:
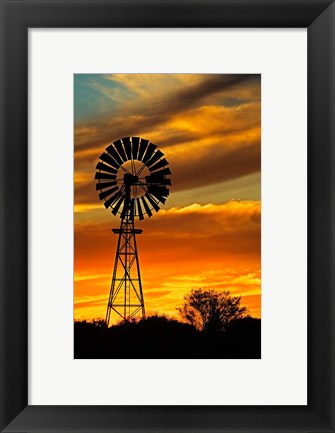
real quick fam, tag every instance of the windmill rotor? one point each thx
(132, 177)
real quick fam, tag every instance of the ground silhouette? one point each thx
(159, 336)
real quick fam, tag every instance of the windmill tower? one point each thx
(132, 180)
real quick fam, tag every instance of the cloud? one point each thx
(144, 86)
(192, 95)
(138, 115)
(218, 164)
(212, 235)
(205, 233)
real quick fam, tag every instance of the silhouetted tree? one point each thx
(211, 310)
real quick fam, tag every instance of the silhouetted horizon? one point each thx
(161, 337)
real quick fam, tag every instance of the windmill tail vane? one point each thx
(132, 177)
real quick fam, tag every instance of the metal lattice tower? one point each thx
(132, 179)
(126, 295)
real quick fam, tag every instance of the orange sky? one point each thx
(209, 232)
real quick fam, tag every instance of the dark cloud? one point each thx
(144, 115)
(219, 165)
(190, 96)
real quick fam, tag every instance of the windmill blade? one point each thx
(112, 199)
(103, 176)
(157, 180)
(135, 142)
(156, 156)
(139, 208)
(142, 148)
(150, 151)
(159, 197)
(159, 177)
(111, 150)
(127, 146)
(152, 202)
(158, 190)
(164, 172)
(103, 185)
(109, 160)
(104, 167)
(162, 190)
(119, 148)
(160, 164)
(146, 207)
(105, 194)
(117, 205)
(166, 182)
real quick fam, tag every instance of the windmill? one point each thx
(132, 177)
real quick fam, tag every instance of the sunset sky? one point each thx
(208, 234)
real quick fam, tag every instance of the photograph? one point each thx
(167, 216)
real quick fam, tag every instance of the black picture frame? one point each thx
(16, 17)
